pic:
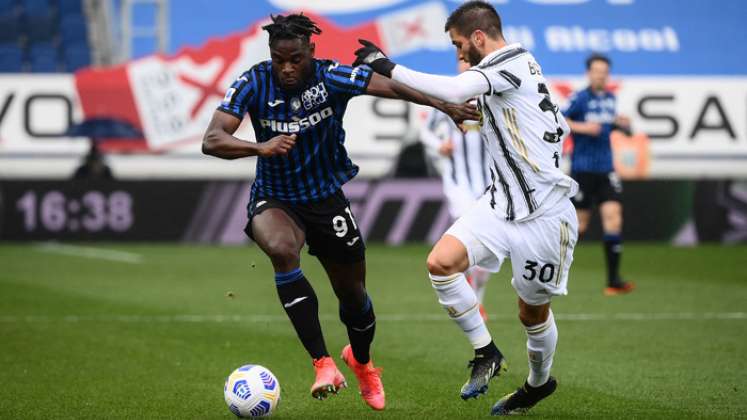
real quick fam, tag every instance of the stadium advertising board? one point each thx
(388, 211)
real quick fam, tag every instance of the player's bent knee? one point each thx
(440, 266)
(282, 253)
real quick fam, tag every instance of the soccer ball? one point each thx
(252, 391)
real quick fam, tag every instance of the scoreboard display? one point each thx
(96, 210)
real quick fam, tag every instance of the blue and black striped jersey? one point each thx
(318, 164)
(592, 153)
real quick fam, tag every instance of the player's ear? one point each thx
(478, 38)
(312, 48)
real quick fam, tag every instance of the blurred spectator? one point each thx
(94, 166)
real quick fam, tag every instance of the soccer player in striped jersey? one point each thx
(461, 158)
(296, 103)
(592, 115)
(527, 214)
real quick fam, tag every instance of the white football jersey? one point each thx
(523, 131)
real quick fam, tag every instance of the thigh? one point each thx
(279, 236)
(483, 233)
(542, 253)
(332, 231)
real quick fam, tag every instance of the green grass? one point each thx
(127, 356)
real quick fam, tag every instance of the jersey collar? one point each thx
(490, 56)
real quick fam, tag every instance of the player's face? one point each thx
(466, 48)
(599, 74)
(291, 62)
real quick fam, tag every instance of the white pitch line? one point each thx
(90, 252)
(257, 318)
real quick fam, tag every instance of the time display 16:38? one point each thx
(95, 211)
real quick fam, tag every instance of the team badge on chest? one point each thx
(295, 104)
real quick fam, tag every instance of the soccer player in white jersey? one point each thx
(526, 216)
(461, 158)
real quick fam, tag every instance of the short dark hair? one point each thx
(474, 15)
(295, 26)
(597, 57)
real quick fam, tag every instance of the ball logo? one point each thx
(313, 96)
(260, 409)
(268, 381)
(241, 389)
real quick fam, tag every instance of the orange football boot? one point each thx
(329, 379)
(369, 379)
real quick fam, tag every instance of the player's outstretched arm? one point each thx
(387, 88)
(456, 89)
(219, 141)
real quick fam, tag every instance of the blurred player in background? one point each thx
(461, 158)
(296, 103)
(526, 216)
(592, 115)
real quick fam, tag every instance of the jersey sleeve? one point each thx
(499, 80)
(347, 80)
(238, 96)
(454, 89)
(572, 111)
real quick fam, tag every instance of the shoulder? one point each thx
(252, 76)
(504, 57)
(260, 69)
(325, 66)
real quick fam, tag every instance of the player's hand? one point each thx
(622, 123)
(460, 112)
(372, 56)
(592, 129)
(446, 148)
(277, 146)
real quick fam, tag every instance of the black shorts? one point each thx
(330, 228)
(595, 188)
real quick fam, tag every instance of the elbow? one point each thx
(209, 144)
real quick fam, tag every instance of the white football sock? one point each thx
(480, 278)
(541, 342)
(459, 300)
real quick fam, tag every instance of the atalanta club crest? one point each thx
(295, 104)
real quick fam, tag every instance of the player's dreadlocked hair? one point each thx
(291, 27)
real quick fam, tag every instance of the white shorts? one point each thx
(541, 249)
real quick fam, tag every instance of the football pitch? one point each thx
(152, 331)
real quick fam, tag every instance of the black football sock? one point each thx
(361, 325)
(613, 252)
(489, 350)
(300, 303)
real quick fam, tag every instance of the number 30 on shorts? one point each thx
(340, 224)
(544, 273)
